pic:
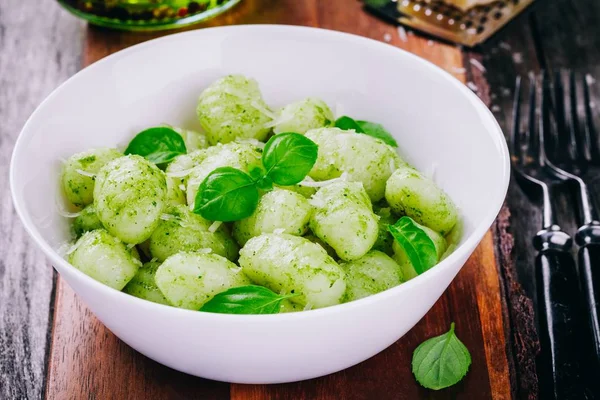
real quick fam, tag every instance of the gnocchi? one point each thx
(130, 196)
(105, 258)
(361, 157)
(306, 214)
(238, 155)
(182, 230)
(303, 116)
(86, 221)
(372, 273)
(232, 108)
(344, 219)
(79, 173)
(143, 284)
(279, 209)
(190, 279)
(292, 264)
(411, 193)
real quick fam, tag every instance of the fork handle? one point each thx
(589, 276)
(588, 238)
(563, 331)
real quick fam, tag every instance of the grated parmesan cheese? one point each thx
(316, 202)
(278, 121)
(477, 64)
(168, 217)
(263, 110)
(402, 34)
(73, 248)
(67, 214)
(319, 184)
(505, 46)
(433, 171)
(254, 142)
(517, 58)
(85, 173)
(63, 248)
(392, 166)
(590, 79)
(214, 226)
(64, 213)
(180, 174)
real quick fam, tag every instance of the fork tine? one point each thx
(545, 139)
(533, 147)
(560, 115)
(575, 148)
(514, 138)
(591, 134)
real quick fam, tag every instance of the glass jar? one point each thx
(146, 15)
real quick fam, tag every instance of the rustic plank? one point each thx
(88, 361)
(510, 53)
(473, 301)
(32, 63)
(388, 374)
(556, 35)
(78, 337)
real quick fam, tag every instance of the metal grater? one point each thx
(435, 17)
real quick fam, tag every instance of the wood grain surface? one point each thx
(40, 46)
(86, 358)
(32, 64)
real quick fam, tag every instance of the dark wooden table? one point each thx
(52, 347)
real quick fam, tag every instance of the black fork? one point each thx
(578, 144)
(563, 331)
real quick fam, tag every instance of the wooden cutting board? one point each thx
(88, 361)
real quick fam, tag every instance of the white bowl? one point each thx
(436, 120)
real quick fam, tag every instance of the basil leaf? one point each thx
(159, 145)
(377, 3)
(419, 247)
(368, 128)
(441, 361)
(377, 131)
(226, 194)
(289, 157)
(346, 123)
(249, 299)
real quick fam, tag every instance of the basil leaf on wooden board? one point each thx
(441, 361)
(226, 194)
(289, 157)
(419, 247)
(249, 299)
(159, 145)
(368, 128)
